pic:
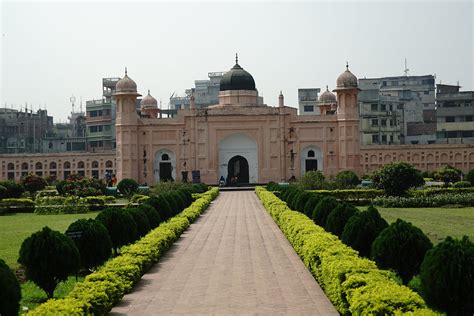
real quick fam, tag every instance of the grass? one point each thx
(16, 227)
(32, 295)
(437, 223)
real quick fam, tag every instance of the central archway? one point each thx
(237, 170)
(234, 146)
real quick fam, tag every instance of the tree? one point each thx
(397, 177)
(127, 187)
(448, 174)
(447, 276)
(49, 257)
(470, 177)
(401, 246)
(10, 291)
(338, 218)
(34, 183)
(14, 190)
(312, 180)
(346, 179)
(120, 225)
(92, 240)
(362, 229)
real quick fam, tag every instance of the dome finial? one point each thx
(236, 58)
(347, 65)
(125, 70)
(327, 88)
(148, 91)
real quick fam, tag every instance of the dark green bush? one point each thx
(448, 174)
(3, 192)
(120, 225)
(311, 204)
(447, 276)
(49, 257)
(10, 291)
(346, 179)
(14, 190)
(92, 240)
(304, 197)
(290, 196)
(338, 218)
(295, 198)
(362, 229)
(312, 180)
(127, 187)
(462, 184)
(160, 203)
(401, 246)
(286, 191)
(470, 177)
(187, 195)
(152, 214)
(397, 177)
(33, 183)
(140, 218)
(179, 201)
(322, 210)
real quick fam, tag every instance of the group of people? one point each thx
(110, 179)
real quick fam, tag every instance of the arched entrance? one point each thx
(311, 159)
(232, 147)
(237, 170)
(165, 166)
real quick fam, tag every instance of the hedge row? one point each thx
(351, 194)
(101, 290)
(465, 199)
(14, 205)
(353, 284)
(70, 205)
(436, 191)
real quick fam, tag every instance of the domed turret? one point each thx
(148, 102)
(346, 79)
(237, 79)
(327, 97)
(126, 85)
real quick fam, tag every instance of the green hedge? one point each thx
(13, 205)
(70, 205)
(101, 290)
(441, 199)
(353, 284)
(436, 191)
(354, 195)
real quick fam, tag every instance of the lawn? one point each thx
(15, 228)
(437, 223)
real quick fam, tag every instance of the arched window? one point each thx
(50, 145)
(80, 165)
(52, 165)
(165, 157)
(67, 165)
(11, 166)
(95, 164)
(311, 154)
(24, 166)
(39, 165)
(108, 164)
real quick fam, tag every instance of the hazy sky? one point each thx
(51, 50)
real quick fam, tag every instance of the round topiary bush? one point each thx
(172, 202)
(292, 190)
(49, 257)
(179, 201)
(293, 200)
(362, 229)
(401, 246)
(304, 197)
(120, 225)
(127, 187)
(462, 184)
(322, 210)
(92, 240)
(346, 179)
(311, 204)
(160, 203)
(339, 217)
(470, 177)
(10, 291)
(187, 196)
(152, 214)
(14, 190)
(447, 276)
(140, 218)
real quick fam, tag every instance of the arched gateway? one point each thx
(238, 159)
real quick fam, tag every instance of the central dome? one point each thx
(237, 79)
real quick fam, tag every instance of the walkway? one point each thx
(232, 260)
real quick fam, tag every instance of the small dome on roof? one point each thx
(237, 79)
(126, 84)
(347, 79)
(148, 101)
(327, 97)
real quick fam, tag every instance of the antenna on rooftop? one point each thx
(81, 105)
(406, 68)
(73, 100)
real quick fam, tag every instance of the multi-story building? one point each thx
(100, 118)
(454, 114)
(22, 132)
(67, 137)
(397, 110)
(307, 99)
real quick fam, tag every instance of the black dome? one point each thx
(237, 79)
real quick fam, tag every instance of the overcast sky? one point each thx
(52, 50)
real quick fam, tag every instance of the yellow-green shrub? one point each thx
(353, 284)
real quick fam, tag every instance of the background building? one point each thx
(397, 110)
(454, 115)
(307, 99)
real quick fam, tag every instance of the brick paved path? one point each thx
(232, 260)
